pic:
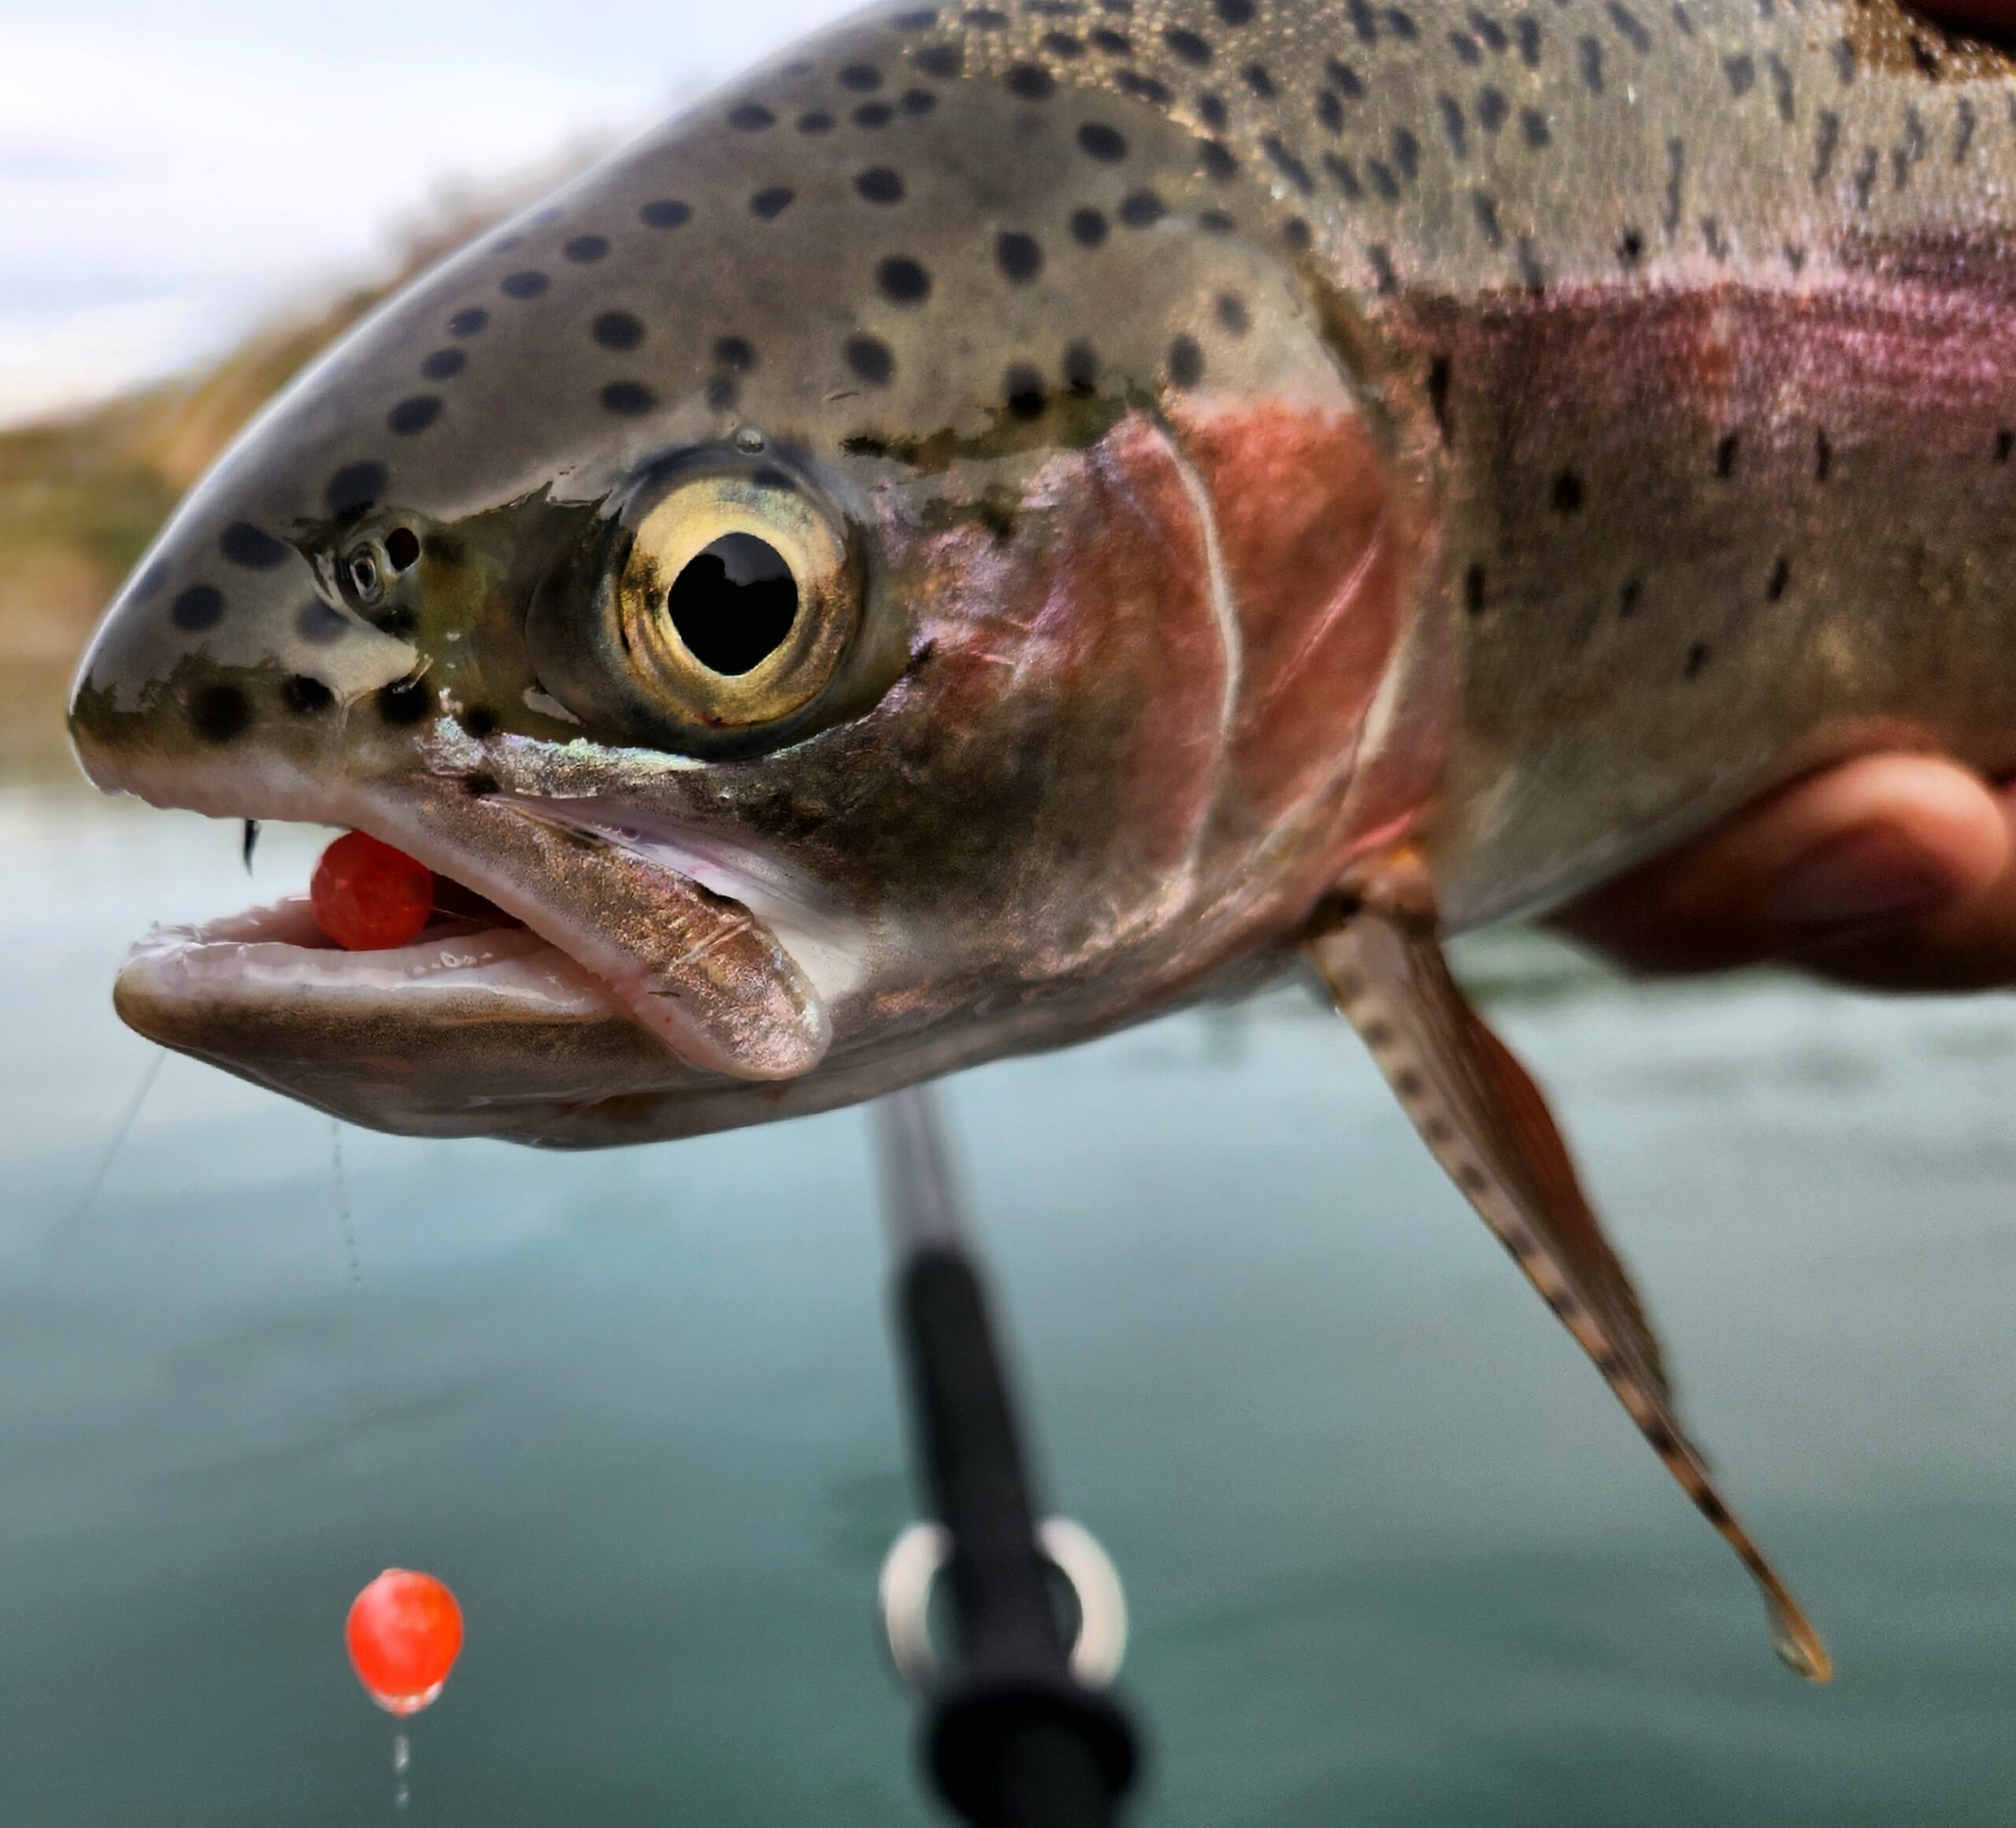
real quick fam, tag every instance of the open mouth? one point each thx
(546, 931)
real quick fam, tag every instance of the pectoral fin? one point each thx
(1489, 1126)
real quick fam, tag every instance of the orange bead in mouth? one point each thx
(404, 1632)
(369, 897)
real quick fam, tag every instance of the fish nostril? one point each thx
(402, 548)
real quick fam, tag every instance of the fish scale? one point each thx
(1012, 518)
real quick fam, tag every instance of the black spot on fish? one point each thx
(918, 103)
(771, 203)
(1235, 12)
(1383, 180)
(1473, 591)
(1330, 110)
(480, 721)
(1716, 242)
(1258, 81)
(1098, 141)
(1186, 362)
(1782, 85)
(1089, 227)
(199, 607)
(414, 415)
(1526, 29)
(862, 78)
(1081, 368)
(1349, 84)
(527, 284)
(1567, 493)
(1217, 160)
(987, 18)
(1630, 25)
(751, 118)
(443, 365)
(1676, 184)
(1589, 61)
(1467, 48)
(1630, 248)
(1402, 24)
(1344, 174)
(1142, 210)
(469, 322)
(1823, 456)
(1488, 28)
(1365, 22)
(1211, 110)
(1287, 164)
(1023, 387)
(944, 60)
(1627, 600)
(1910, 149)
(1062, 45)
(405, 701)
(1532, 274)
(1032, 82)
(1740, 70)
(1484, 207)
(1533, 128)
(902, 281)
(736, 354)
(1725, 455)
(1826, 143)
(1923, 56)
(1865, 180)
(1683, 18)
(1697, 659)
(219, 714)
(1493, 109)
(1774, 585)
(1844, 61)
(879, 184)
(1297, 233)
(1232, 313)
(617, 330)
(1187, 46)
(1439, 375)
(666, 213)
(303, 694)
(251, 547)
(317, 624)
(1116, 44)
(1406, 153)
(818, 120)
(1963, 129)
(870, 359)
(627, 399)
(1144, 88)
(1384, 278)
(1451, 112)
(1020, 256)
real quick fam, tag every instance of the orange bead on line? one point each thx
(405, 1631)
(369, 897)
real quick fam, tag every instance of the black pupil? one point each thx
(734, 603)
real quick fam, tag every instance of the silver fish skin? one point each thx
(1014, 516)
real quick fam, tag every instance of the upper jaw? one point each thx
(637, 946)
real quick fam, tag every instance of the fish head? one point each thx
(890, 570)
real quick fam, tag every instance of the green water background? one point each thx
(1394, 1555)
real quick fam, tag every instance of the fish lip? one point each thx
(282, 793)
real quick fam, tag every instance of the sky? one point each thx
(171, 176)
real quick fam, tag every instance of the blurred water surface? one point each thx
(1394, 1558)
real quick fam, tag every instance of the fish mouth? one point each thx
(569, 961)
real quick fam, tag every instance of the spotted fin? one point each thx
(1488, 1125)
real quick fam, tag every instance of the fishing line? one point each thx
(343, 1204)
(251, 838)
(82, 1210)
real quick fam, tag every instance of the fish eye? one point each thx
(737, 597)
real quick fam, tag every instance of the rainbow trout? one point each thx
(1016, 516)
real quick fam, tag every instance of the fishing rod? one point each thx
(1020, 1731)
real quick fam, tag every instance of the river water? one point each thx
(1394, 1555)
